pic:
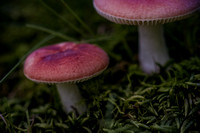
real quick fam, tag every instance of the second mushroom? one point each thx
(149, 15)
(66, 64)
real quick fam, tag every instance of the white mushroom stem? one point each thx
(152, 48)
(70, 97)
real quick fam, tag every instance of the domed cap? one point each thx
(138, 12)
(65, 62)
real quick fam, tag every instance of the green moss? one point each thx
(122, 99)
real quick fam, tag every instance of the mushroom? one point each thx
(149, 15)
(66, 64)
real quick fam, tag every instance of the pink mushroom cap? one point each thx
(65, 62)
(138, 12)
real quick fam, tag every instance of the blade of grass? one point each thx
(127, 48)
(63, 19)
(77, 17)
(58, 34)
(186, 125)
(23, 57)
(28, 122)
(1, 116)
(97, 39)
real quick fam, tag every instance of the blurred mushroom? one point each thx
(66, 64)
(149, 15)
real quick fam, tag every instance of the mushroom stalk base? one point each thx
(152, 48)
(70, 97)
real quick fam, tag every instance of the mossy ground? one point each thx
(122, 99)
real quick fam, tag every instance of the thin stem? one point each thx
(71, 98)
(127, 48)
(4, 120)
(96, 39)
(58, 34)
(28, 121)
(77, 17)
(152, 48)
(75, 28)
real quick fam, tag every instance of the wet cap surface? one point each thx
(65, 62)
(136, 11)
